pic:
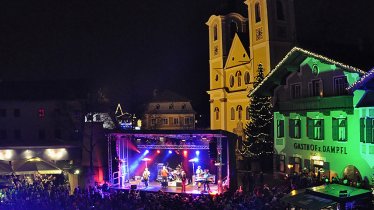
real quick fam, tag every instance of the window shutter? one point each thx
(292, 128)
(299, 128)
(281, 128)
(362, 130)
(310, 129)
(335, 129)
(369, 130)
(322, 129)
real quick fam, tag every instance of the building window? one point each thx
(158, 106)
(280, 128)
(239, 76)
(17, 134)
(171, 106)
(295, 91)
(339, 129)
(41, 112)
(3, 134)
(369, 130)
(315, 129)
(362, 130)
(2, 112)
(41, 134)
(17, 112)
(246, 78)
(240, 110)
(295, 128)
(153, 121)
(315, 88)
(247, 113)
(280, 11)
(215, 33)
(165, 121)
(97, 118)
(58, 134)
(340, 85)
(216, 110)
(188, 120)
(232, 113)
(176, 121)
(231, 81)
(184, 106)
(257, 12)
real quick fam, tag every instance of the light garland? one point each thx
(367, 76)
(308, 53)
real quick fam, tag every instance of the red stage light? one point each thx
(185, 153)
(158, 151)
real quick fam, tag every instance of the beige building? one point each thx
(168, 111)
(237, 45)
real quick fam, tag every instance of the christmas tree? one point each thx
(258, 129)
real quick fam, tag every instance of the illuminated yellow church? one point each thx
(237, 45)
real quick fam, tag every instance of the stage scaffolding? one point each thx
(122, 138)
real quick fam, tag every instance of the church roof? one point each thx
(285, 67)
(244, 38)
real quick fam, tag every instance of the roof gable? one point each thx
(291, 63)
(238, 54)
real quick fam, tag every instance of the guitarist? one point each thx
(146, 175)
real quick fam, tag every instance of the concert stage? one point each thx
(156, 187)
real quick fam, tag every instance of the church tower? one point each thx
(272, 31)
(236, 46)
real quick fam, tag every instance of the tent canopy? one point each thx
(5, 168)
(39, 165)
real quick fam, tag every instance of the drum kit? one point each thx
(175, 174)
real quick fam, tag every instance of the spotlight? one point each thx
(146, 152)
(170, 151)
(185, 153)
(158, 151)
(197, 153)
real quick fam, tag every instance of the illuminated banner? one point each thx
(317, 148)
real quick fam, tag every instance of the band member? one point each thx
(146, 175)
(199, 174)
(184, 179)
(206, 180)
(164, 175)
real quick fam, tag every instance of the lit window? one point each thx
(246, 78)
(231, 81)
(215, 33)
(176, 121)
(216, 110)
(280, 128)
(239, 109)
(339, 129)
(295, 128)
(295, 91)
(41, 112)
(257, 12)
(340, 85)
(239, 76)
(315, 129)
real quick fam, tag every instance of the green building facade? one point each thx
(318, 125)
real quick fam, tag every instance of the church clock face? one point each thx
(215, 50)
(259, 34)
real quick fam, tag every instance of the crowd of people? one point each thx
(52, 192)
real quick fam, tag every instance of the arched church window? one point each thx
(216, 111)
(215, 32)
(239, 76)
(246, 78)
(232, 113)
(240, 110)
(280, 11)
(247, 113)
(257, 12)
(233, 29)
(231, 81)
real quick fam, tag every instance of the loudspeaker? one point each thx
(133, 186)
(213, 149)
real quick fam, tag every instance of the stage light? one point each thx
(146, 152)
(158, 151)
(170, 151)
(77, 171)
(197, 153)
(185, 153)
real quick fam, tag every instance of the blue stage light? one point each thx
(170, 151)
(197, 153)
(146, 152)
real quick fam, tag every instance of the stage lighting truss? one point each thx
(142, 146)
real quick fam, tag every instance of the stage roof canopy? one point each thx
(178, 134)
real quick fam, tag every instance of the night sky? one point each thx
(132, 47)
